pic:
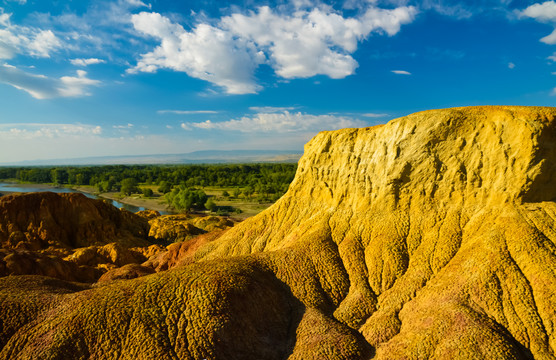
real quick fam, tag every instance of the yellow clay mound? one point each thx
(429, 237)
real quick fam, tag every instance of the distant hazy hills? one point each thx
(196, 157)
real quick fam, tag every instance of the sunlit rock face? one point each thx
(67, 236)
(429, 237)
(38, 221)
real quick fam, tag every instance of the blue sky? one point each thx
(130, 77)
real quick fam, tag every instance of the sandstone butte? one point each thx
(432, 236)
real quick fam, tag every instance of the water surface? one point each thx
(8, 188)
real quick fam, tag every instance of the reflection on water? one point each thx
(5, 187)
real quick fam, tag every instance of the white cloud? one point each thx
(206, 53)
(374, 115)
(318, 41)
(32, 41)
(187, 112)
(552, 57)
(457, 10)
(30, 131)
(285, 122)
(271, 109)
(401, 72)
(128, 126)
(86, 62)
(553, 92)
(138, 3)
(511, 65)
(545, 12)
(186, 127)
(302, 44)
(550, 39)
(76, 86)
(542, 12)
(42, 87)
(43, 42)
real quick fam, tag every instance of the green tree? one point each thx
(185, 199)
(147, 192)
(59, 176)
(164, 187)
(248, 191)
(211, 205)
(128, 186)
(225, 193)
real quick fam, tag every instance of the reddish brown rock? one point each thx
(148, 214)
(182, 227)
(17, 262)
(180, 253)
(40, 220)
(129, 271)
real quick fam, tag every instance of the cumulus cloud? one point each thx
(401, 72)
(545, 12)
(206, 53)
(15, 39)
(301, 44)
(285, 122)
(42, 87)
(86, 62)
(542, 12)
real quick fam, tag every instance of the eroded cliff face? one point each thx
(429, 237)
(67, 236)
(38, 221)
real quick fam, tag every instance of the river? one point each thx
(11, 188)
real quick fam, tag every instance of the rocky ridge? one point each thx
(429, 237)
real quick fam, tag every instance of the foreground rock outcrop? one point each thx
(67, 236)
(429, 237)
(37, 221)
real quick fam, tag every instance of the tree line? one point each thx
(267, 180)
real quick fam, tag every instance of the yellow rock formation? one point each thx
(429, 237)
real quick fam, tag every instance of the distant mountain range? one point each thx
(196, 157)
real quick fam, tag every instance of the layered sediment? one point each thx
(429, 237)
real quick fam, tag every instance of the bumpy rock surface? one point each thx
(429, 237)
(37, 221)
(176, 228)
(68, 236)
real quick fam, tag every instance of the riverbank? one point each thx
(248, 207)
(17, 186)
(131, 203)
(154, 203)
